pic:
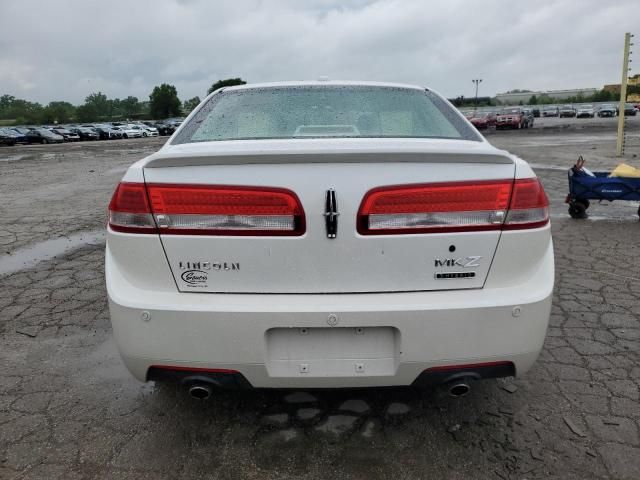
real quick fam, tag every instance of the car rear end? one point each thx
(508, 120)
(585, 111)
(607, 111)
(314, 260)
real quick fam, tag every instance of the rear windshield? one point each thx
(324, 111)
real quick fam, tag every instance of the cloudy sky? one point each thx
(64, 50)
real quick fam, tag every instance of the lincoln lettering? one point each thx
(215, 266)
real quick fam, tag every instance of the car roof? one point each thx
(323, 83)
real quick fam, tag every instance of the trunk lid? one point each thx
(313, 262)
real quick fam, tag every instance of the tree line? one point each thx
(163, 103)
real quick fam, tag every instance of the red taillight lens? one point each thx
(437, 207)
(529, 207)
(454, 207)
(129, 209)
(225, 210)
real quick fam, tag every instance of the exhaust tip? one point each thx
(459, 389)
(200, 391)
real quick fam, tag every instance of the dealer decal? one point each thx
(195, 277)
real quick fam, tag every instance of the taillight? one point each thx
(205, 210)
(129, 209)
(225, 210)
(453, 207)
(435, 207)
(529, 207)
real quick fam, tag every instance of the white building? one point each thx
(516, 98)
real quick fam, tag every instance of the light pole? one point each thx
(477, 82)
(623, 94)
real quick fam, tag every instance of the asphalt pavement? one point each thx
(70, 410)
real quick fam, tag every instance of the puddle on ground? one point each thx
(13, 158)
(29, 256)
(599, 218)
(540, 166)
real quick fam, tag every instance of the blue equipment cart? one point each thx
(583, 187)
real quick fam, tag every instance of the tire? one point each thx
(44, 141)
(125, 136)
(577, 210)
(144, 134)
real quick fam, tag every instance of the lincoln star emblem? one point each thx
(331, 213)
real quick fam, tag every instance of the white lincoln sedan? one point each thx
(325, 235)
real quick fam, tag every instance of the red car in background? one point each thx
(512, 118)
(483, 120)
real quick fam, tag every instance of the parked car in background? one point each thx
(107, 132)
(18, 138)
(530, 117)
(145, 130)
(163, 129)
(42, 135)
(536, 112)
(7, 137)
(21, 130)
(550, 111)
(151, 131)
(318, 259)
(629, 110)
(585, 111)
(68, 135)
(483, 120)
(168, 128)
(513, 117)
(176, 122)
(567, 111)
(607, 110)
(94, 129)
(85, 133)
(128, 132)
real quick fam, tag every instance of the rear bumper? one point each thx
(508, 124)
(503, 322)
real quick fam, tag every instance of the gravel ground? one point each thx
(69, 409)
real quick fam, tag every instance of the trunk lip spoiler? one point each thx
(309, 158)
(242, 152)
